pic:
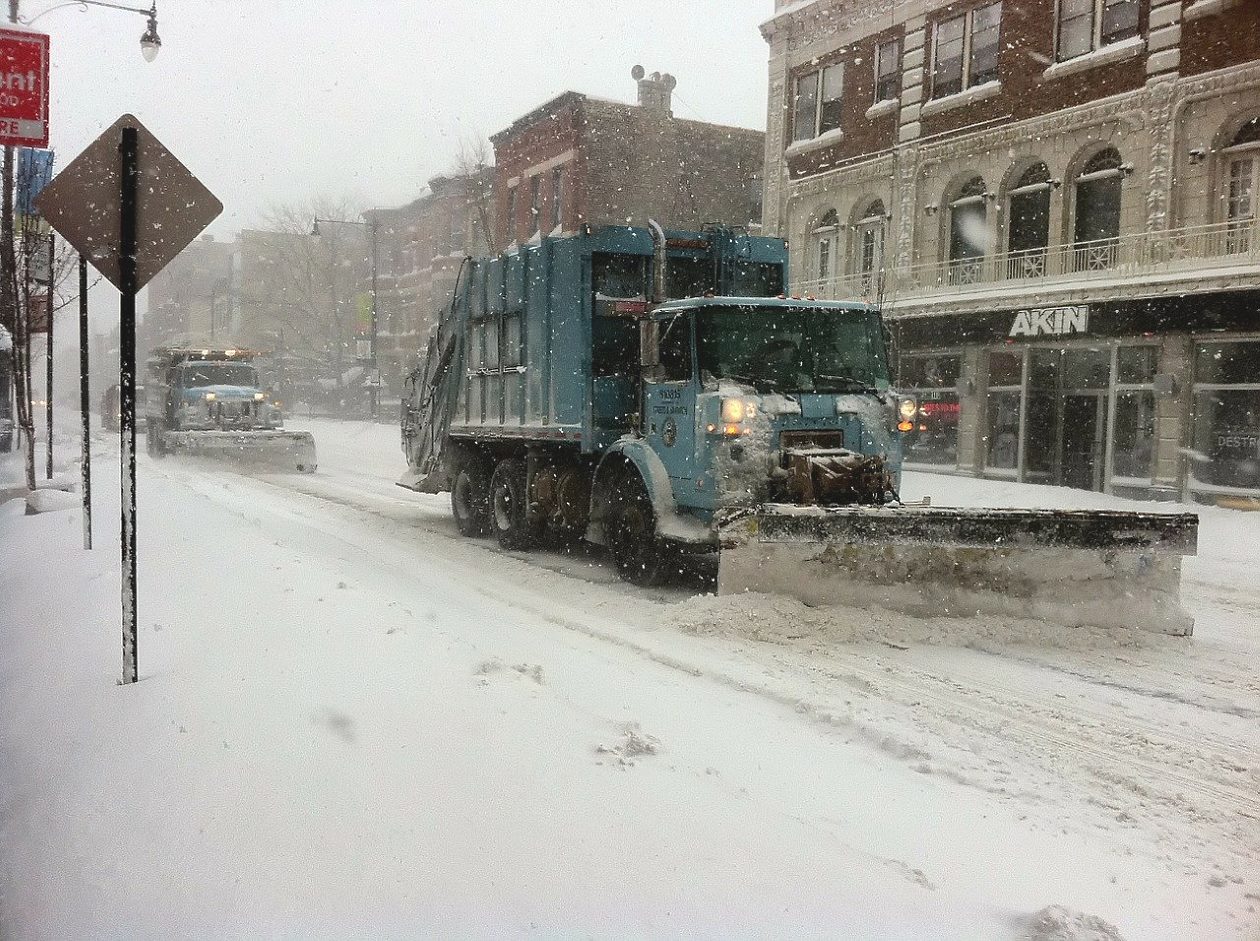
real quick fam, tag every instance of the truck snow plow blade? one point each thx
(295, 449)
(1072, 567)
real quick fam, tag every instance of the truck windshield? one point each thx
(197, 375)
(792, 349)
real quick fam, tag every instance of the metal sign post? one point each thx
(48, 392)
(130, 233)
(85, 463)
(128, 149)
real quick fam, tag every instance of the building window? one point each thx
(1227, 415)
(826, 234)
(1086, 25)
(1243, 187)
(1097, 228)
(868, 247)
(1028, 224)
(968, 232)
(965, 50)
(1133, 438)
(932, 379)
(509, 214)
(1003, 405)
(535, 203)
(887, 70)
(817, 102)
(557, 197)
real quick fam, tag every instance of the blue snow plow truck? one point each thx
(656, 392)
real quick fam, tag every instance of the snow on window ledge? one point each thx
(1206, 8)
(1116, 52)
(826, 139)
(960, 99)
(880, 108)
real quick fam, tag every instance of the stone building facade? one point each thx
(1055, 202)
(194, 298)
(583, 160)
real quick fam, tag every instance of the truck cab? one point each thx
(735, 388)
(208, 390)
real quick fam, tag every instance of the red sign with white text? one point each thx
(23, 88)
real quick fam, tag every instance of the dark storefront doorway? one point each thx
(1084, 440)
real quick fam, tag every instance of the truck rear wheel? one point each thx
(509, 508)
(630, 526)
(470, 495)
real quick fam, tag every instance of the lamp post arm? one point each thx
(152, 11)
(84, 4)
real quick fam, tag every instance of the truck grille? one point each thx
(830, 439)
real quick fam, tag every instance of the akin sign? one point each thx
(1051, 321)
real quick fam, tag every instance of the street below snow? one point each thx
(351, 722)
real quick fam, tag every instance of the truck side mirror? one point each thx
(649, 344)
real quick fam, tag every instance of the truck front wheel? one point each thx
(470, 494)
(509, 508)
(630, 527)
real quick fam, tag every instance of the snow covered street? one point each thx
(351, 722)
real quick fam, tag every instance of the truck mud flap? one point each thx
(1071, 567)
(293, 449)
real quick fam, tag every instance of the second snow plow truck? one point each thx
(655, 392)
(211, 402)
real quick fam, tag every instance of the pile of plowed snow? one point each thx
(1057, 923)
(778, 619)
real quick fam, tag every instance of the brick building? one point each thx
(1055, 202)
(193, 299)
(422, 245)
(579, 159)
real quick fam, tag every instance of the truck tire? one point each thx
(630, 529)
(509, 509)
(470, 495)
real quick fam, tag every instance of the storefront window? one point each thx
(1227, 415)
(1003, 403)
(932, 379)
(1136, 365)
(1133, 450)
(1133, 443)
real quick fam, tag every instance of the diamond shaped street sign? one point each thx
(83, 204)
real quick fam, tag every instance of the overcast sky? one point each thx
(271, 101)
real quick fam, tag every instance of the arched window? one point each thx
(968, 232)
(1242, 181)
(1097, 231)
(868, 246)
(1028, 223)
(826, 234)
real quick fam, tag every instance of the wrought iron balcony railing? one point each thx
(1205, 250)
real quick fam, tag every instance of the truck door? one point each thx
(669, 406)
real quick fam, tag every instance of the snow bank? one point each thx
(777, 619)
(1056, 923)
(66, 482)
(48, 501)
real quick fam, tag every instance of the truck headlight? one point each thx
(907, 408)
(210, 396)
(733, 410)
(258, 396)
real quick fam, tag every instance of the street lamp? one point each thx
(150, 42)
(373, 226)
